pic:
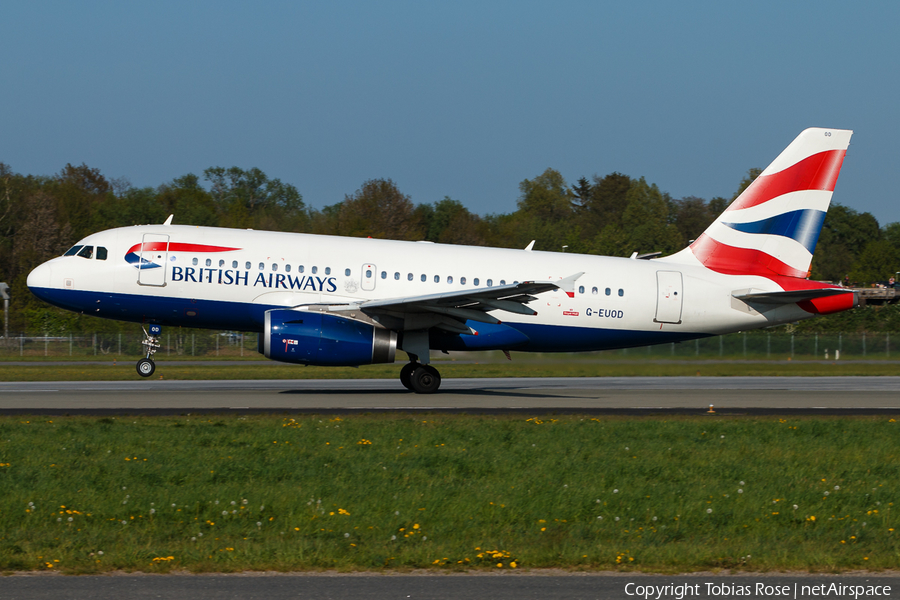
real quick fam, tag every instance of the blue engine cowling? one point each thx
(315, 338)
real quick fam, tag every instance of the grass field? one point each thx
(574, 368)
(85, 495)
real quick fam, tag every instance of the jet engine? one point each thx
(315, 338)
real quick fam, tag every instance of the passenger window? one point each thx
(397, 276)
(234, 264)
(73, 250)
(384, 274)
(101, 253)
(262, 266)
(368, 273)
(409, 277)
(621, 292)
(221, 263)
(437, 278)
(346, 272)
(490, 282)
(608, 291)
(208, 262)
(594, 290)
(475, 281)
(315, 270)
(287, 268)
(462, 281)
(580, 289)
(274, 266)
(300, 269)
(502, 282)
(246, 265)
(328, 270)
(194, 261)
(423, 277)
(449, 278)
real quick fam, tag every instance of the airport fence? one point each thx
(176, 343)
(203, 344)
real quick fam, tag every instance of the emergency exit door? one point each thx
(368, 277)
(669, 297)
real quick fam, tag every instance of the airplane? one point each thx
(338, 301)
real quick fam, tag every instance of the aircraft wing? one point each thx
(451, 310)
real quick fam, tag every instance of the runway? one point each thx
(625, 395)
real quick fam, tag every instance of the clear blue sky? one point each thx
(463, 99)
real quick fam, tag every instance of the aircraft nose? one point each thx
(39, 278)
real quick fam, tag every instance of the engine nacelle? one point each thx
(315, 338)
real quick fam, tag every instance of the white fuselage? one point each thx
(617, 302)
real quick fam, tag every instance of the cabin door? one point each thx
(154, 259)
(668, 297)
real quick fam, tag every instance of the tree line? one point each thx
(614, 215)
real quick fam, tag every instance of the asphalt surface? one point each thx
(617, 395)
(626, 395)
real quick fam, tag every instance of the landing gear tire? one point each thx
(406, 373)
(145, 367)
(425, 380)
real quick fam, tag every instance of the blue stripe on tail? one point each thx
(803, 226)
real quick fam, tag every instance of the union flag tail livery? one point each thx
(771, 229)
(324, 300)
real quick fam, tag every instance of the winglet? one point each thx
(529, 246)
(169, 220)
(568, 284)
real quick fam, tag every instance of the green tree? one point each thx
(185, 198)
(646, 220)
(78, 193)
(692, 215)
(751, 176)
(845, 233)
(449, 222)
(546, 197)
(607, 202)
(380, 210)
(248, 198)
(876, 263)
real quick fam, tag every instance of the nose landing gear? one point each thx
(145, 367)
(419, 378)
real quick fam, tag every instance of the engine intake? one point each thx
(315, 338)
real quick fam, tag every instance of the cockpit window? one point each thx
(86, 252)
(73, 251)
(101, 253)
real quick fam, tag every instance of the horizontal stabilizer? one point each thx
(791, 296)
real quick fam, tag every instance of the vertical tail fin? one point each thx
(771, 229)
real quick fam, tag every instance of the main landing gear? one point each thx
(419, 378)
(146, 366)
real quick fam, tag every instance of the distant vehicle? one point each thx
(323, 300)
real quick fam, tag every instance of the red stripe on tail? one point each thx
(816, 172)
(730, 260)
